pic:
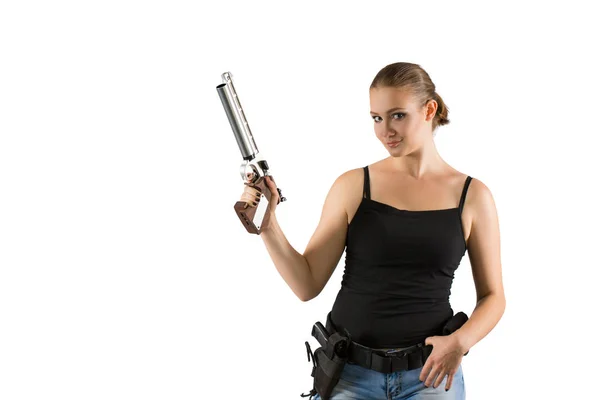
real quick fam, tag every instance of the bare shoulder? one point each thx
(348, 180)
(478, 195)
(351, 177)
(480, 188)
(351, 183)
(479, 204)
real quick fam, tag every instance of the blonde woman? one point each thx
(405, 223)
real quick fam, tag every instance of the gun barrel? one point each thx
(237, 119)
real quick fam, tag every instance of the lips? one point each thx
(397, 141)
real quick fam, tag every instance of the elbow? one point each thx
(498, 299)
(501, 299)
(307, 295)
(304, 297)
(309, 291)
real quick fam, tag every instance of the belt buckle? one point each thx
(395, 353)
(401, 352)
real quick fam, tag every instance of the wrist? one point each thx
(461, 342)
(271, 222)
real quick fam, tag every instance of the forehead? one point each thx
(385, 96)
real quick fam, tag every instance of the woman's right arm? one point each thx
(307, 274)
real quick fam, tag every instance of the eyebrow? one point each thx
(391, 109)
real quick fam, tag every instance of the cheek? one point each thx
(380, 133)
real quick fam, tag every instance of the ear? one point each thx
(431, 109)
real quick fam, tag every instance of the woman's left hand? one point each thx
(445, 358)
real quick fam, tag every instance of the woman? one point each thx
(405, 222)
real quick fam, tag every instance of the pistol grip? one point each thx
(247, 214)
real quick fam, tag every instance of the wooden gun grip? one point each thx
(246, 214)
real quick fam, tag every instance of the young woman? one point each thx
(405, 222)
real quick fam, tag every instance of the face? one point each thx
(397, 117)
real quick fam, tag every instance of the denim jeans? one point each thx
(357, 382)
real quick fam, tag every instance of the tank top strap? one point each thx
(367, 186)
(464, 194)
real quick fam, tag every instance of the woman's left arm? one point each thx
(483, 246)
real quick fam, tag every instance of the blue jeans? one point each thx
(357, 382)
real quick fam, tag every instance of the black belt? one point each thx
(385, 361)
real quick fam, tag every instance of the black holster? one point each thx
(328, 360)
(454, 324)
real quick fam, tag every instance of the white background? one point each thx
(124, 271)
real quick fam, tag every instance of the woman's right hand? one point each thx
(252, 195)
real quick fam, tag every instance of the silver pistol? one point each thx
(254, 168)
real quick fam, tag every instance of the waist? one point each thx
(389, 323)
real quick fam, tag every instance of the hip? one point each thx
(357, 382)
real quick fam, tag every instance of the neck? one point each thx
(419, 163)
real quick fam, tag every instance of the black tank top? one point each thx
(399, 270)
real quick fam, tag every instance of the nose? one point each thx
(385, 131)
(390, 133)
(388, 129)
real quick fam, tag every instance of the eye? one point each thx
(402, 115)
